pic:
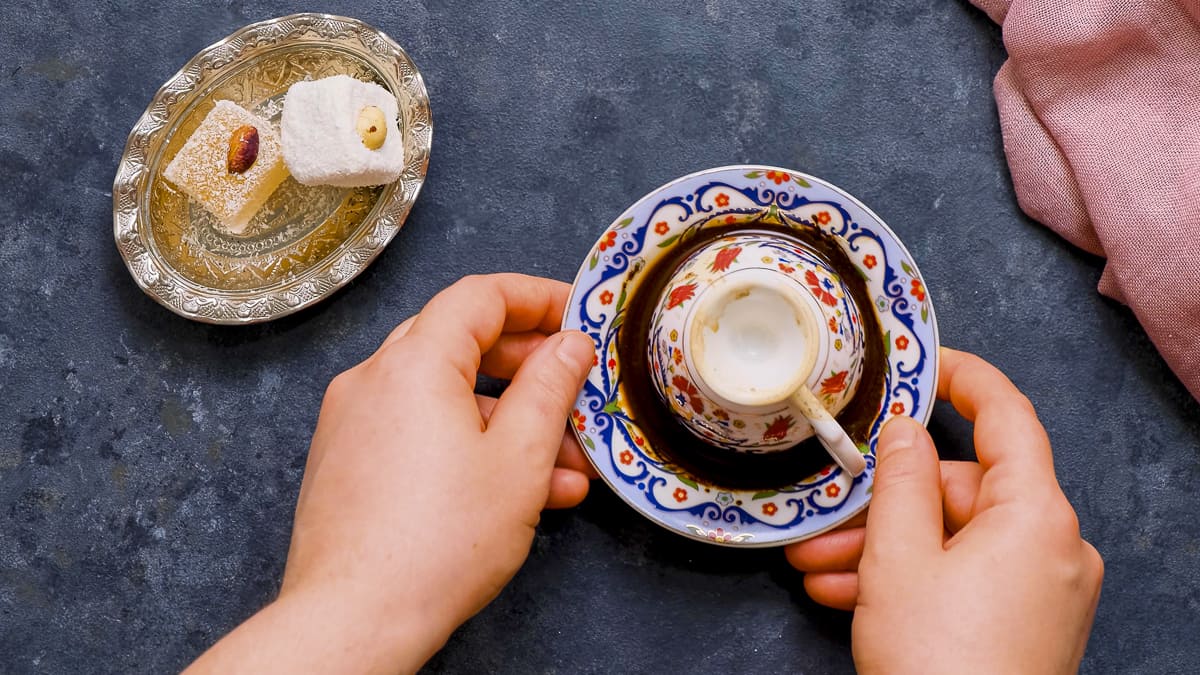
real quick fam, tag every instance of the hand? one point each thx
(420, 499)
(963, 567)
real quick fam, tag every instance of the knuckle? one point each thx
(896, 487)
(896, 475)
(386, 359)
(474, 283)
(1066, 520)
(974, 367)
(1058, 519)
(1095, 563)
(974, 361)
(901, 465)
(553, 395)
(1023, 404)
(470, 286)
(339, 386)
(406, 357)
(1083, 570)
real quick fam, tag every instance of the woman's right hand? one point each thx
(963, 567)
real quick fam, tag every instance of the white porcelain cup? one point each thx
(742, 325)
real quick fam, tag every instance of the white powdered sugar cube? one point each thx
(321, 143)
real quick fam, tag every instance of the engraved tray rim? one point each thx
(160, 280)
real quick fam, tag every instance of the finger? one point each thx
(841, 549)
(467, 318)
(398, 332)
(501, 361)
(1010, 442)
(509, 352)
(838, 590)
(904, 524)
(570, 455)
(960, 486)
(567, 488)
(531, 413)
(837, 551)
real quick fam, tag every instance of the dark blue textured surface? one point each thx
(149, 465)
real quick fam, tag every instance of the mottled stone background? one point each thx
(149, 465)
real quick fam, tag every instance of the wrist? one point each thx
(329, 629)
(375, 630)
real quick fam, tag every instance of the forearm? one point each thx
(320, 633)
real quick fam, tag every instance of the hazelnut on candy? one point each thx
(341, 131)
(372, 127)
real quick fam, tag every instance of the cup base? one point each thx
(753, 338)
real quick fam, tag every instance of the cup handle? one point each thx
(832, 436)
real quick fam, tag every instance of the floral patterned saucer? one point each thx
(609, 430)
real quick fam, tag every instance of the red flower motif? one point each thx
(722, 200)
(897, 408)
(578, 419)
(918, 290)
(725, 258)
(778, 428)
(595, 359)
(661, 227)
(833, 324)
(729, 220)
(639, 441)
(778, 176)
(835, 383)
(832, 490)
(677, 357)
(786, 269)
(626, 457)
(680, 295)
(770, 509)
(869, 262)
(814, 283)
(902, 342)
(690, 391)
(608, 240)
(719, 534)
(823, 218)
(612, 363)
(606, 298)
(679, 494)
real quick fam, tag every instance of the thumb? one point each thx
(905, 519)
(532, 411)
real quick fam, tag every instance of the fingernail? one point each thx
(899, 433)
(575, 349)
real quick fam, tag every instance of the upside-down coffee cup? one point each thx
(743, 325)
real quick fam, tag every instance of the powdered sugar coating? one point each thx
(200, 167)
(321, 145)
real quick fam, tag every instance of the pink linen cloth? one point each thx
(1099, 106)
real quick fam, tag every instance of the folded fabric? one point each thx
(1099, 106)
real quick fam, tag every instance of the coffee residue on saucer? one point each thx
(720, 467)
